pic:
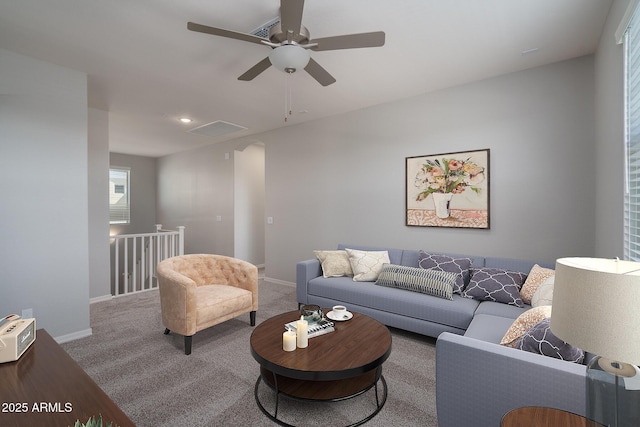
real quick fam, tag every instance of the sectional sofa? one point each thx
(477, 379)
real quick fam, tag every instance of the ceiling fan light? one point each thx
(289, 58)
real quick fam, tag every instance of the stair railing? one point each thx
(137, 255)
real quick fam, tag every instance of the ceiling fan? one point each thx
(290, 42)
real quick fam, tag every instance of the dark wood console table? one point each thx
(46, 387)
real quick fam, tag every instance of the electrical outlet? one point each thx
(269, 220)
(219, 218)
(27, 313)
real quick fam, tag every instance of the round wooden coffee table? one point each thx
(336, 366)
(538, 416)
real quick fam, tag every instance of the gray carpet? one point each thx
(150, 378)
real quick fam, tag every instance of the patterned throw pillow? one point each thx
(544, 294)
(367, 265)
(536, 277)
(459, 266)
(334, 263)
(539, 339)
(496, 284)
(431, 282)
(524, 322)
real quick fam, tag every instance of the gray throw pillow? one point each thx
(459, 266)
(539, 339)
(431, 282)
(496, 284)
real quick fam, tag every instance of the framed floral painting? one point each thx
(448, 190)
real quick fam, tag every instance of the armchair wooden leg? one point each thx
(187, 344)
(252, 318)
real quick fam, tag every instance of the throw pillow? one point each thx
(459, 266)
(539, 339)
(496, 284)
(334, 263)
(431, 282)
(367, 265)
(523, 323)
(536, 276)
(544, 294)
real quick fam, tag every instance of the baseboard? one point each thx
(280, 282)
(100, 299)
(73, 336)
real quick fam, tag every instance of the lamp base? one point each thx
(613, 393)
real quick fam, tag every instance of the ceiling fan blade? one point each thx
(224, 33)
(349, 41)
(253, 72)
(291, 16)
(320, 74)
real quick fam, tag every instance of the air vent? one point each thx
(263, 30)
(217, 128)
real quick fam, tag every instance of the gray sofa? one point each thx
(477, 379)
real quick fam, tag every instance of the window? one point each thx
(119, 207)
(632, 138)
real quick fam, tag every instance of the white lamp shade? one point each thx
(289, 57)
(596, 306)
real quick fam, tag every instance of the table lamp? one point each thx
(596, 307)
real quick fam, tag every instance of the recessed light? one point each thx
(185, 120)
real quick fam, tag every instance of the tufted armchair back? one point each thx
(209, 269)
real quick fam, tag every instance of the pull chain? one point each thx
(290, 93)
(288, 96)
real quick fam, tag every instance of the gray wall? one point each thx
(341, 179)
(195, 187)
(43, 180)
(98, 158)
(610, 168)
(249, 203)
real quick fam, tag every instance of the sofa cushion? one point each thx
(523, 323)
(535, 278)
(503, 310)
(367, 265)
(215, 301)
(334, 263)
(496, 284)
(459, 266)
(457, 313)
(411, 258)
(488, 328)
(539, 339)
(395, 255)
(544, 293)
(432, 282)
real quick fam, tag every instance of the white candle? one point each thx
(289, 340)
(302, 332)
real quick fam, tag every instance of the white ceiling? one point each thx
(148, 70)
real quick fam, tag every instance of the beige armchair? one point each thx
(199, 291)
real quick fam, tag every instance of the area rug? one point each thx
(147, 374)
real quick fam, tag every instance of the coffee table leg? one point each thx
(384, 383)
(275, 384)
(274, 417)
(380, 400)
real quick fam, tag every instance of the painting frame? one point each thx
(448, 190)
